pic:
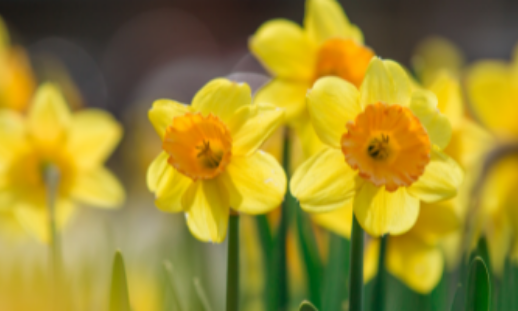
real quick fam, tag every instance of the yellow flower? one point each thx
(76, 145)
(327, 45)
(391, 137)
(435, 55)
(210, 160)
(16, 78)
(492, 89)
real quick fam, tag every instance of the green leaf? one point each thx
(119, 297)
(310, 255)
(479, 286)
(200, 292)
(168, 267)
(307, 306)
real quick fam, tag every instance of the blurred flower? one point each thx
(76, 145)
(16, 78)
(492, 89)
(210, 160)
(327, 45)
(392, 147)
(434, 55)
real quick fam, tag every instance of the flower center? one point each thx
(198, 147)
(343, 58)
(388, 145)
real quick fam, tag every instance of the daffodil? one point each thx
(491, 86)
(327, 45)
(16, 78)
(384, 150)
(74, 145)
(419, 256)
(434, 55)
(210, 160)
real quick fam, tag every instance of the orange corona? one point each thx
(388, 145)
(343, 58)
(199, 147)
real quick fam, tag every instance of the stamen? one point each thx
(379, 148)
(210, 158)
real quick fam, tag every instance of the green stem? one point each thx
(265, 238)
(277, 286)
(233, 264)
(52, 184)
(356, 271)
(379, 290)
(336, 273)
(309, 249)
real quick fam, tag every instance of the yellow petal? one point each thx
(380, 212)
(256, 184)
(284, 49)
(441, 179)
(207, 206)
(17, 81)
(371, 255)
(469, 144)
(12, 135)
(252, 125)
(49, 116)
(287, 94)
(417, 264)
(385, 82)
(424, 106)
(436, 221)
(324, 182)
(492, 92)
(338, 221)
(449, 97)
(92, 137)
(34, 219)
(332, 102)
(222, 97)
(325, 19)
(163, 112)
(306, 138)
(98, 187)
(167, 183)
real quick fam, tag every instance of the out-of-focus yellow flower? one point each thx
(492, 89)
(327, 45)
(16, 78)
(435, 55)
(392, 138)
(76, 145)
(210, 159)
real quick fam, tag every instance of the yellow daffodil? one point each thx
(327, 45)
(210, 160)
(384, 149)
(415, 257)
(75, 145)
(16, 78)
(491, 86)
(492, 89)
(435, 55)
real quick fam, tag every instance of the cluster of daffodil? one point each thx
(397, 171)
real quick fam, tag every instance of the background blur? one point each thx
(122, 55)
